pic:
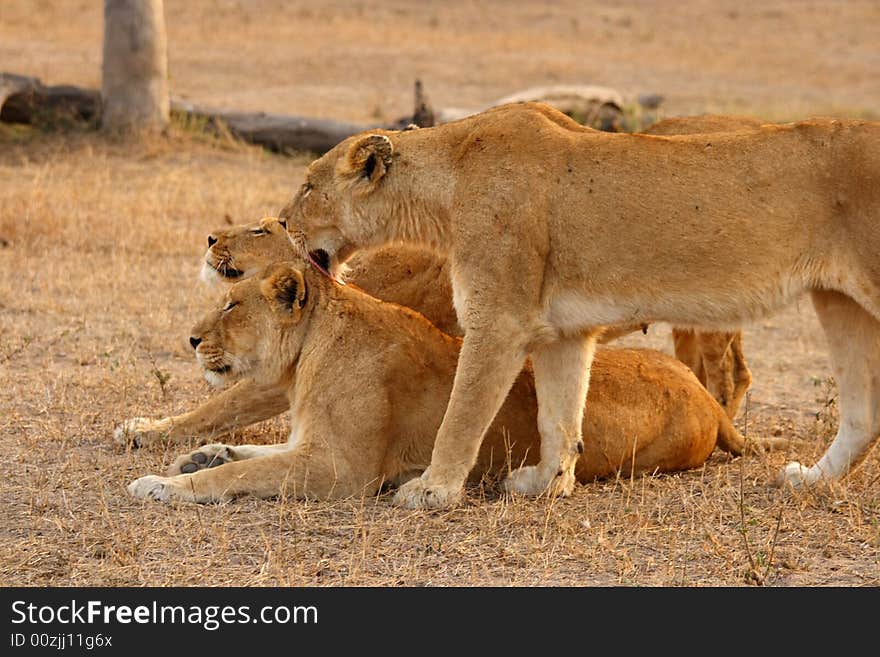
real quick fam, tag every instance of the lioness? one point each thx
(367, 383)
(552, 229)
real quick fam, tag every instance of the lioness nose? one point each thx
(195, 342)
(211, 241)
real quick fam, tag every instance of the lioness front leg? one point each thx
(687, 350)
(562, 375)
(241, 405)
(488, 364)
(296, 472)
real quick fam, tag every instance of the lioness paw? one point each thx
(419, 494)
(150, 487)
(207, 456)
(141, 432)
(530, 480)
(797, 475)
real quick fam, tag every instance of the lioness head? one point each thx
(239, 252)
(250, 329)
(339, 208)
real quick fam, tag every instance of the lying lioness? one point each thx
(553, 229)
(367, 383)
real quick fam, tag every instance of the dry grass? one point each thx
(100, 244)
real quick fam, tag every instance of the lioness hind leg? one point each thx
(687, 350)
(561, 380)
(742, 376)
(718, 363)
(216, 454)
(854, 345)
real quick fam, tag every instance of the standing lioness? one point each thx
(552, 229)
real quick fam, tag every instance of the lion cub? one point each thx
(367, 383)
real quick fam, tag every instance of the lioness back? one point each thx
(703, 124)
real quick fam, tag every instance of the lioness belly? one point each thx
(574, 310)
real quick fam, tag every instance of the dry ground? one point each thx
(99, 250)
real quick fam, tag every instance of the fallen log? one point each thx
(277, 132)
(27, 100)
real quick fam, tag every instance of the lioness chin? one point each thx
(552, 229)
(367, 383)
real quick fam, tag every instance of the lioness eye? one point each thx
(229, 306)
(258, 231)
(306, 189)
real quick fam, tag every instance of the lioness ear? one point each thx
(369, 157)
(286, 288)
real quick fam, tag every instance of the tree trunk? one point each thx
(135, 66)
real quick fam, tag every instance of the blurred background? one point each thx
(776, 59)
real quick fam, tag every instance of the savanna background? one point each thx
(101, 240)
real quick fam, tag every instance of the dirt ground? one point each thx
(100, 244)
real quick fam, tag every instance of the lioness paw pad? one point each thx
(207, 456)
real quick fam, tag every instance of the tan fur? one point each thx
(412, 277)
(553, 229)
(702, 124)
(367, 384)
(716, 357)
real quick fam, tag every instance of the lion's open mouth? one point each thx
(223, 369)
(321, 258)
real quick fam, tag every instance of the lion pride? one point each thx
(553, 229)
(367, 383)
